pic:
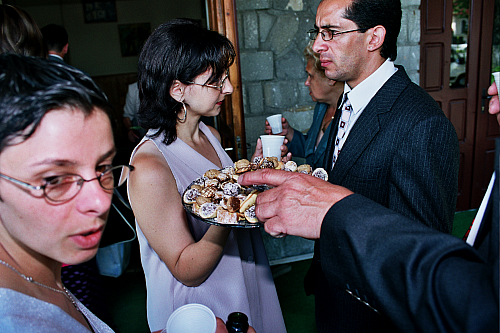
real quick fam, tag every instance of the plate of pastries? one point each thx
(217, 198)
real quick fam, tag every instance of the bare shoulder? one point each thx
(150, 166)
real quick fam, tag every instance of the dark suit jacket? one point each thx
(403, 153)
(422, 280)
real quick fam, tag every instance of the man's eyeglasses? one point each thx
(219, 87)
(328, 34)
(66, 187)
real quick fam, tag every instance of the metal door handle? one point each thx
(485, 97)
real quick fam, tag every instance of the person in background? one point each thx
(130, 114)
(56, 38)
(182, 76)
(56, 184)
(326, 93)
(19, 33)
(421, 279)
(390, 141)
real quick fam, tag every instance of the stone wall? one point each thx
(272, 36)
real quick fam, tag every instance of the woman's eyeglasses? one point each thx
(65, 187)
(219, 87)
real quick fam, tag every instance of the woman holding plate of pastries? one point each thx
(182, 76)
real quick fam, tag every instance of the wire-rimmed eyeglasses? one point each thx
(328, 34)
(219, 87)
(65, 187)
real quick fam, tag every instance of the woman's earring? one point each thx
(185, 113)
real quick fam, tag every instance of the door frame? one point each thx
(230, 122)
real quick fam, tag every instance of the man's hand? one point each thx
(297, 203)
(494, 103)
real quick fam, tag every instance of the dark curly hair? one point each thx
(177, 50)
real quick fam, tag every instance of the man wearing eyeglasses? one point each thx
(392, 143)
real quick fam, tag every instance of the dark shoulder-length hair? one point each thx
(19, 33)
(177, 50)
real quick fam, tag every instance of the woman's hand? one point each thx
(287, 129)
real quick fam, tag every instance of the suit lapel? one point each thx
(368, 125)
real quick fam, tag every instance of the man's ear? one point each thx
(377, 37)
(177, 90)
(65, 49)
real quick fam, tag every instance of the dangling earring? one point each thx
(185, 113)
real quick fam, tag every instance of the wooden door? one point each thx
(230, 122)
(455, 63)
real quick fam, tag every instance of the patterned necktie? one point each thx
(343, 125)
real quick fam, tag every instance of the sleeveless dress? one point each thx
(241, 281)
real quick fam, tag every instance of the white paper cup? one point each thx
(271, 145)
(275, 122)
(192, 318)
(496, 75)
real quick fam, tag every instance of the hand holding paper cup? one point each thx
(271, 145)
(275, 122)
(496, 75)
(192, 318)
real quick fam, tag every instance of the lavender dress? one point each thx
(242, 279)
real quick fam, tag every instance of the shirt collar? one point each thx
(361, 95)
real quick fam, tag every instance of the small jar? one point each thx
(237, 322)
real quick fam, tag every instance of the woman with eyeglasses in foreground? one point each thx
(56, 184)
(182, 75)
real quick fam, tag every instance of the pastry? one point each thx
(242, 165)
(212, 182)
(225, 217)
(291, 166)
(267, 163)
(231, 189)
(209, 191)
(211, 174)
(198, 187)
(222, 177)
(304, 168)
(320, 173)
(191, 195)
(233, 204)
(250, 215)
(200, 200)
(249, 201)
(208, 210)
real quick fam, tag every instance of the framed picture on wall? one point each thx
(132, 37)
(99, 11)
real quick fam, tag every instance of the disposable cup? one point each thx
(275, 122)
(496, 75)
(271, 145)
(192, 318)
